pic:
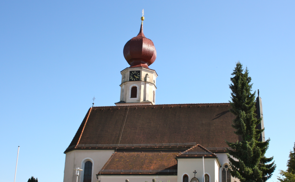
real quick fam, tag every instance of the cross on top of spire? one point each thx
(142, 17)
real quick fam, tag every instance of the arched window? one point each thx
(133, 92)
(223, 175)
(185, 178)
(206, 178)
(87, 171)
(226, 177)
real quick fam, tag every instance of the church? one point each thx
(140, 141)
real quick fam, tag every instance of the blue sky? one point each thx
(55, 56)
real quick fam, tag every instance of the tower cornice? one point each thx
(138, 81)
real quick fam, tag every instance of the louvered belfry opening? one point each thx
(87, 171)
(133, 92)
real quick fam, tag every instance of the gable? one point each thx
(197, 151)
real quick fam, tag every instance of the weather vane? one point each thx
(142, 17)
(93, 101)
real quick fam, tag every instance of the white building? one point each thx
(139, 141)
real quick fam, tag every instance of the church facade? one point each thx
(139, 141)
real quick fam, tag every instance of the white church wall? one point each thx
(223, 159)
(217, 167)
(188, 165)
(151, 90)
(77, 158)
(142, 91)
(138, 178)
(147, 92)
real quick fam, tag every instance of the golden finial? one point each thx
(142, 17)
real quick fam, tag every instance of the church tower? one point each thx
(138, 83)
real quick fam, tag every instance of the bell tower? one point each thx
(138, 84)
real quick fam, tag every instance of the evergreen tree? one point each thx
(291, 162)
(265, 166)
(267, 169)
(289, 175)
(286, 177)
(32, 179)
(246, 156)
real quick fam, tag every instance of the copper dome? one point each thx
(140, 51)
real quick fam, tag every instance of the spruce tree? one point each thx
(265, 166)
(289, 175)
(286, 177)
(247, 160)
(291, 162)
(32, 179)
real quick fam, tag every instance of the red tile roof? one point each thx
(160, 163)
(156, 126)
(197, 151)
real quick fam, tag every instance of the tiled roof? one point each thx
(159, 163)
(197, 151)
(156, 126)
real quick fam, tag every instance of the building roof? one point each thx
(197, 151)
(144, 163)
(156, 126)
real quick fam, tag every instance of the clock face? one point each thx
(134, 76)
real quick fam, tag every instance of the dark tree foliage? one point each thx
(32, 179)
(247, 160)
(265, 166)
(289, 175)
(286, 177)
(291, 162)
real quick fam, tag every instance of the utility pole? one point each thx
(16, 163)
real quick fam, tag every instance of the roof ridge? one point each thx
(222, 103)
(188, 149)
(197, 145)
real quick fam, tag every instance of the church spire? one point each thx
(138, 84)
(141, 31)
(141, 26)
(140, 51)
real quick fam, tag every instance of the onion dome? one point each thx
(140, 51)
